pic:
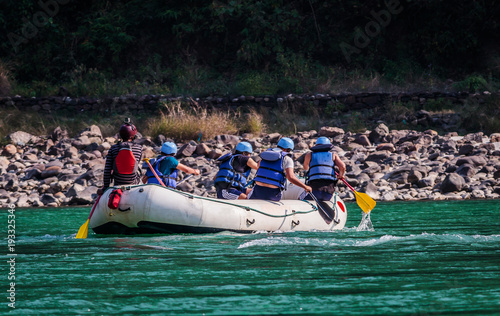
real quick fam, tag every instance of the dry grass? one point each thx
(195, 123)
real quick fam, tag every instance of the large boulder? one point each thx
(452, 183)
(21, 138)
(84, 197)
(379, 133)
(329, 131)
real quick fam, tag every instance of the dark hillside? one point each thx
(51, 42)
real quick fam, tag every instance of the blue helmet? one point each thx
(286, 143)
(323, 141)
(169, 148)
(244, 147)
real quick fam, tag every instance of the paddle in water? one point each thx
(84, 229)
(325, 210)
(365, 202)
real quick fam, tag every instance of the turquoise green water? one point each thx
(421, 258)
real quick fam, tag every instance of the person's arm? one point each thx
(307, 161)
(341, 165)
(252, 164)
(187, 169)
(290, 175)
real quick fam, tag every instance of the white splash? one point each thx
(366, 223)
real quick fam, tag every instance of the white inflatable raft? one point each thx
(151, 208)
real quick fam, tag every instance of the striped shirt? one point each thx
(121, 179)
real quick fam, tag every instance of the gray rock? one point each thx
(328, 131)
(49, 200)
(362, 140)
(472, 160)
(91, 131)
(58, 134)
(185, 187)
(21, 138)
(186, 150)
(74, 190)
(466, 170)
(378, 156)
(379, 133)
(452, 183)
(84, 196)
(51, 171)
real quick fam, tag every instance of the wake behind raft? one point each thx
(154, 209)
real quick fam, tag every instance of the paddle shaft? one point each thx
(321, 207)
(185, 179)
(93, 207)
(345, 182)
(153, 171)
(82, 232)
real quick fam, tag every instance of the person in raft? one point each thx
(123, 160)
(231, 180)
(165, 166)
(275, 168)
(320, 167)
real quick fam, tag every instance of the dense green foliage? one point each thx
(245, 45)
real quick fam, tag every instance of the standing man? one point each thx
(231, 180)
(123, 159)
(320, 164)
(275, 168)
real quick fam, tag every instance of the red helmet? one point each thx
(127, 131)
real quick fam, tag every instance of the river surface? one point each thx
(420, 258)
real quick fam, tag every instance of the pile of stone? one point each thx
(56, 170)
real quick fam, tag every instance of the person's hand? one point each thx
(308, 189)
(196, 172)
(341, 177)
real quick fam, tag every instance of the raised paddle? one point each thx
(84, 229)
(365, 202)
(153, 171)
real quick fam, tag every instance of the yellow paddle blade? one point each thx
(84, 229)
(365, 202)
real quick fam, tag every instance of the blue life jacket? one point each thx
(170, 180)
(228, 176)
(321, 165)
(271, 169)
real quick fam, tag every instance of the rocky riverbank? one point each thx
(56, 170)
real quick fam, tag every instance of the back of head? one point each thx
(286, 143)
(169, 148)
(127, 130)
(244, 147)
(323, 141)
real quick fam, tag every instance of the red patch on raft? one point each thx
(341, 205)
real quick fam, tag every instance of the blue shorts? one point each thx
(320, 195)
(228, 194)
(265, 193)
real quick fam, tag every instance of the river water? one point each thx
(420, 258)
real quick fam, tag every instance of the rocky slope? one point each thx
(56, 170)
